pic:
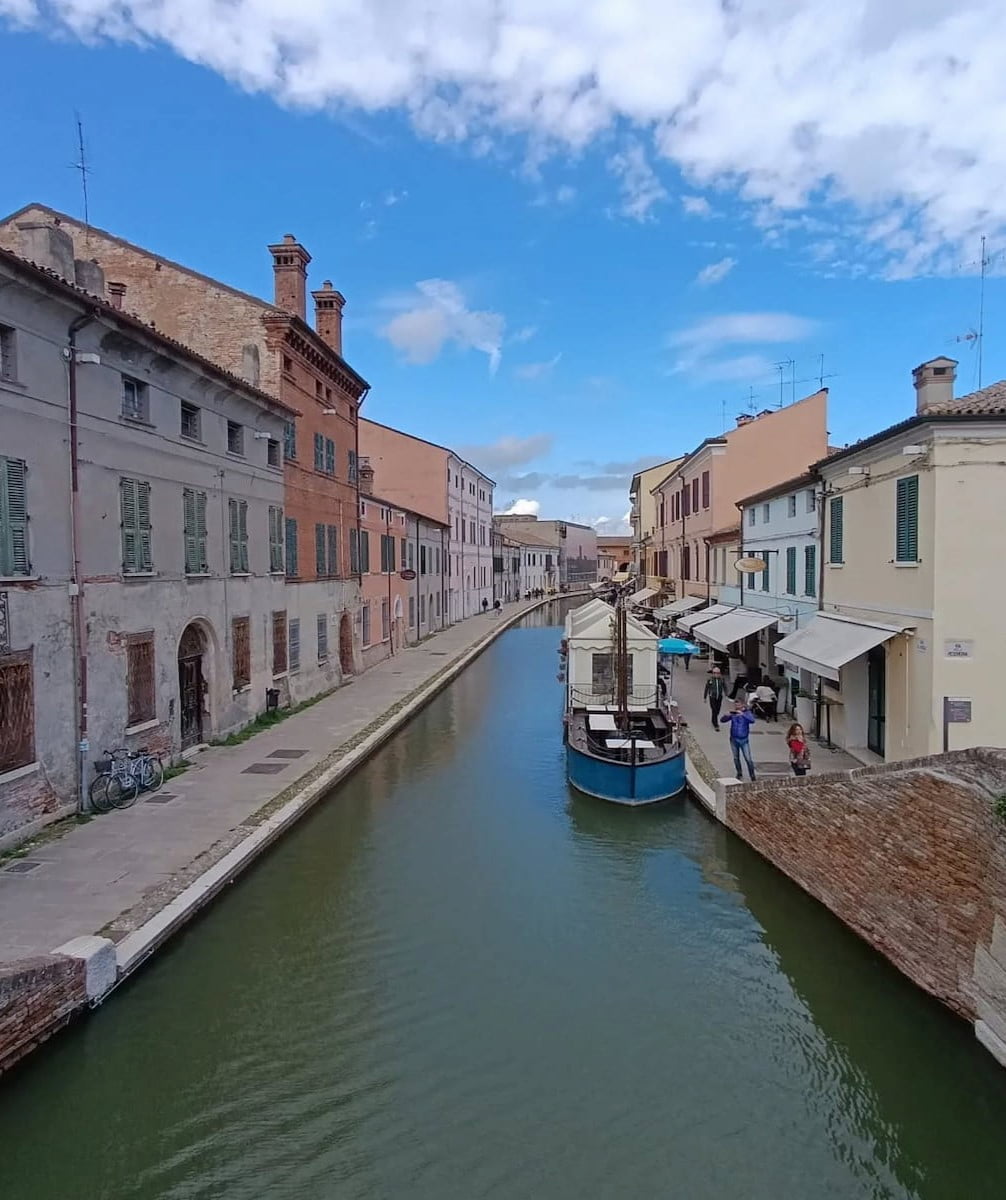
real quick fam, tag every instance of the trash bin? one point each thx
(271, 699)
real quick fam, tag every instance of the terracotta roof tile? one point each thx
(991, 399)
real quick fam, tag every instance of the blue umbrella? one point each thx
(672, 645)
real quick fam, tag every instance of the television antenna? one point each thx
(82, 166)
(975, 338)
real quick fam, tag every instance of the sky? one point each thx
(576, 237)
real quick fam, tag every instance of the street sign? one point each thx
(956, 711)
(957, 648)
(750, 566)
(407, 575)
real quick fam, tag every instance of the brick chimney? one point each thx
(328, 305)
(116, 294)
(934, 383)
(365, 473)
(289, 265)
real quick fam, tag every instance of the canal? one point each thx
(457, 980)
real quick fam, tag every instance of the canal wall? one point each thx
(911, 855)
(38, 996)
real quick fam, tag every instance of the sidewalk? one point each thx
(768, 738)
(119, 871)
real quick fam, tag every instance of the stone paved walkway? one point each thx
(115, 871)
(768, 743)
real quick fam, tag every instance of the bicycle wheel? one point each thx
(122, 791)
(153, 775)
(97, 794)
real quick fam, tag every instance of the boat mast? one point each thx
(621, 666)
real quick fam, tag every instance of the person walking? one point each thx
(799, 751)
(740, 728)
(715, 692)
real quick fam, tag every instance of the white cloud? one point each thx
(524, 334)
(704, 348)
(507, 452)
(890, 114)
(437, 313)
(392, 198)
(523, 508)
(565, 194)
(716, 272)
(641, 189)
(696, 206)
(537, 370)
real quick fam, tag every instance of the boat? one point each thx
(621, 741)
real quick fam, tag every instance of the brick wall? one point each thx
(37, 997)
(26, 800)
(910, 855)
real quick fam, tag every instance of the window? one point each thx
(686, 563)
(17, 711)
(404, 548)
(352, 466)
(705, 489)
(235, 438)
(322, 637)
(190, 422)
(835, 529)
(287, 364)
(291, 549)
(134, 399)
(366, 624)
(422, 560)
(686, 501)
(906, 548)
(811, 500)
(412, 612)
(8, 353)
(134, 504)
(695, 495)
(194, 531)
(764, 577)
(387, 554)
(140, 704)
(422, 609)
(438, 604)
(385, 621)
(482, 534)
(437, 555)
(766, 513)
(319, 452)
(412, 557)
(471, 531)
(294, 640)
(240, 653)
(364, 552)
(238, 522)
(791, 566)
(289, 441)
(354, 552)
(275, 539)
(326, 550)
(603, 675)
(317, 388)
(278, 643)
(791, 505)
(272, 453)
(810, 570)
(13, 517)
(751, 516)
(329, 456)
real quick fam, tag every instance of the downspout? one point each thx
(76, 589)
(709, 585)
(443, 576)
(419, 623)
(359, 526)
(391, 607)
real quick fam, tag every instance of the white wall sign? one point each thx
(921, 645)
(954, 648)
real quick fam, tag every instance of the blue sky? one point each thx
(567, 277)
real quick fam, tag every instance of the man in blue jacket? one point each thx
(740, 727)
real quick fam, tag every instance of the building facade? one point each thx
(427, 556)
(142, 578)
(649, 551)
(614, 554)
(908, 619)
(575, 546)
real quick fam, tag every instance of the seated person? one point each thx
(763, 702)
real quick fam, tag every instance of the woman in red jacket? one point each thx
(799, 751)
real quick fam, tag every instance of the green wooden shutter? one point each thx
(907, 539)
(330, 456)
(289, 440)
(791, 570)
(130, 533)
(319, 452)
(202, 562)
(232, 524)
(143, 520)
(352, 466)
(293, 658)
(319, 551)
(275, 539)
(291, 547)
(835, 529)
(189, 530)
(364, 552)
(391, 554)
(354, 552)
(243, 533)
(810, 570)
(13, 518)
(333, 549)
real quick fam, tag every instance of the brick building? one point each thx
(273, 348)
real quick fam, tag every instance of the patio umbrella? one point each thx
(673, 645)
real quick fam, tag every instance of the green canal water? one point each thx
(457, 980)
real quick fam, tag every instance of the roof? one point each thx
(975, 407)
(724, 534)
(57, 283)
(268, 308)
(426, 442)
(525, 538)
(402, 508)
(670, 462)
(807, 479)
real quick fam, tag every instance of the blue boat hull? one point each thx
(626, 783)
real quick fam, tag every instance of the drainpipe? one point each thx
(76, 588)
(419, 624)
(443, 576)
(391, 607)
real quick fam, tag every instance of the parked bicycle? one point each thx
(121, 775)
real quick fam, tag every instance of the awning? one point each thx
(693, 619)
(676, 607)
(829, 642)
(596, 587)
(620, 577)
(733, 627)
(641, 595)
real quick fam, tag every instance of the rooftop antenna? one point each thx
(976, 337)
(81, 166)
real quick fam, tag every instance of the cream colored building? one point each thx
(645, 517)
(912, 579)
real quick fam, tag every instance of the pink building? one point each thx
(699, 497)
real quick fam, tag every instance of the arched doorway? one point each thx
(346, 644)
(191, 685)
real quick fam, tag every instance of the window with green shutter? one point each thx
(322, 637)
(906, 548)
(293, 660)
(290, 441)
(194, 531)
(134, 504)
(333, 549)
(791, 570)
(238, 510)
(835, 515)
(364, 552)
(13, 517)
(319, 452)
(352, 466)
(320, 557)
(354, 552)
(329, 456)
(275, 539)
(764, 577)
(291, 548)
(810, 570)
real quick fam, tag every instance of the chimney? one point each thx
(89, 276)
(744, 419)
(934, 384)
(365, 473)
(116, 294)
(47, 246)
(289, 265)
(328, 305)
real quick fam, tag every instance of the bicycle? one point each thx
(121, 776)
